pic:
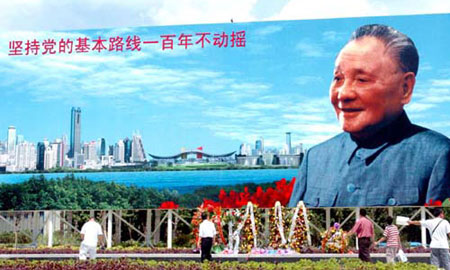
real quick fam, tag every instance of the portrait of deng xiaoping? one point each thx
(380, 158)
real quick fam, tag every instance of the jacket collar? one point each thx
(365, 149)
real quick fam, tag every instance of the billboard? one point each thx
(180, 108)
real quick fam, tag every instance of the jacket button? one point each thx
(351, 188)
(392, 201)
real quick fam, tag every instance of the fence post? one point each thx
(148, 228)
(70, 219)
(15, 230)
(118, 225)
(422, 228)
(169, 229)
(157, 233)
(50, 229)
(109, 232)
(327, 217)
(391, 211)
(36, 222)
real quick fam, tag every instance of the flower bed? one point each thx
(125, 264)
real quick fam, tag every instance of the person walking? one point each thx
(439, 229)
(363, 229)
(207, 231)
(392, 238)
(91, 234)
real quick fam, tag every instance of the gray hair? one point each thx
(399, 44)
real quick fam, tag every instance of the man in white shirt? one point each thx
(91, 233)
(439, 229)
(206, 233)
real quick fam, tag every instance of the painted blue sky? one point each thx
(214, 97)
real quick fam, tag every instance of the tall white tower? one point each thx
(119, 152)
(137, 149)
(12, 137)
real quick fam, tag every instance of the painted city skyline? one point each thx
(213, 97)
(18, 155)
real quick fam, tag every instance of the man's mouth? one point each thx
(350, 110)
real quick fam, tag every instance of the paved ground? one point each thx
(412, 257)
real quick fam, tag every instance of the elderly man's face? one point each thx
(367, 91)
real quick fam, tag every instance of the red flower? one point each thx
(168, 205)
(281, 193)
(434, 203)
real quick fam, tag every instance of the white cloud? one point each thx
(333, 36)
(231, 113)
(313, 128)
(425, 67)
(311, 49)
(237, 91)
(440, 83)
(433, 95)
(268, 30)
(78, 76)
(312, 106)
(437, 124)
(306, 79)
(418, 107)
(307, 119)
(260, 106)
(215, 85)
(249, 86)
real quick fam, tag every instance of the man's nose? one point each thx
(346, 91)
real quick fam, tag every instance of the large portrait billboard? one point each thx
(356, 109)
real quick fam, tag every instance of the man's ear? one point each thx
(409, 80)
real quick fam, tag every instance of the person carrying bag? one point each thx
(440, 230)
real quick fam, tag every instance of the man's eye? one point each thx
(337, 78)
(362, 80)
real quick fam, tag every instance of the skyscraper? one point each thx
(90, 151)
(288, 143)
(20, 139)
(137, 149)
(12, 137)
(259, 146)
(65, 144)
(40, 152)
(50, 156)
(128, 149)
(75, 132)
(102, 147)
(58, 148)
(3, 147)
(111, 150)
(25, 156)
(245, 150)
(119, 152)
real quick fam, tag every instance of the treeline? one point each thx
(71, 193)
